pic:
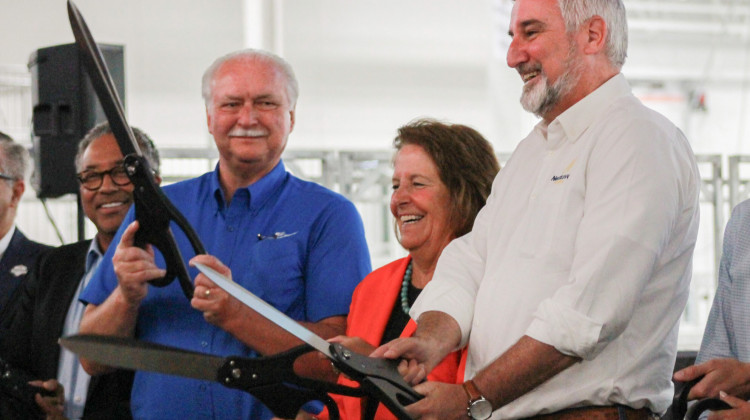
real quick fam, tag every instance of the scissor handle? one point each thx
(680, 408)
(154, 212)
(272, 380)
(708, 404)
(379, 378)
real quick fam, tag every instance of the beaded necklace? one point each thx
(405, 290)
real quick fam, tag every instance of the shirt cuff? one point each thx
(569, 331)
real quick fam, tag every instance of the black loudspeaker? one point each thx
(65, 107)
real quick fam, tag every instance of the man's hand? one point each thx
(729, 375)
(740, 409)
(437, 335)
(245, 324)
(53, 406)
(117, 315)
(134, 267)
(420, 355)
(219, 307)
(441, 401)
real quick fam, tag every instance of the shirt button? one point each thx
(230, 228)
(78, 399)
(204, 343)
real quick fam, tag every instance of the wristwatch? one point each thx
(478, 408)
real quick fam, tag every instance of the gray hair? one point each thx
(576, 12)
(292, 87)
(14, 158)
(144, 143)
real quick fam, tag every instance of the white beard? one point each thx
(541, 97)
(538, 97)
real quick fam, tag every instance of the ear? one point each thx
(291, 120)
(596, 35)
(208, 120)
(18, 188)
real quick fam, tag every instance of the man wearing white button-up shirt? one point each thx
(570, 287)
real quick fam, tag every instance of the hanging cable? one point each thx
(52, 221)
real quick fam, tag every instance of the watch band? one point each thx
(478, 408)
(472, 391)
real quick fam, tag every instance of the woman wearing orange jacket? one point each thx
(442, 176)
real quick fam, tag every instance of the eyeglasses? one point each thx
(93, 180)
(8, 177)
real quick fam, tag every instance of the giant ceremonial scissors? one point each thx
(153, 210)
(270, 379)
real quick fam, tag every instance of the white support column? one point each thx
(262, 24)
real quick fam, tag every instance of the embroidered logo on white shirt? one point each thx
(559, 179)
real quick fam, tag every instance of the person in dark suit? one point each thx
(47, 306)
(17, 253)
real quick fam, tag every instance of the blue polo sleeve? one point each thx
(339, 259)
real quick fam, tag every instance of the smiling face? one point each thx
(545, 55)
(420, 203)
(250, 117)
(107, 206)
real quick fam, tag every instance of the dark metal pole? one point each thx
(81, 218)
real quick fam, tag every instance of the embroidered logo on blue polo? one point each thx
(277, 235)
(559, 179)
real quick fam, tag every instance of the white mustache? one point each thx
(527, 68)
(241, 132)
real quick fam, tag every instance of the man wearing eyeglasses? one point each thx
(17, 253)
(48, 305)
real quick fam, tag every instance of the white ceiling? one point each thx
(690, 20)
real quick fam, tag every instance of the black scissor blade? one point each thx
(378, 377)
(128, 353)
(152, 208)
(102, 82)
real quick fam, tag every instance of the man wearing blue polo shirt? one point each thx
(293, 243)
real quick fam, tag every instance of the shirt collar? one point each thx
(575, 120)
(259, 191)
(5, 241)
(93, 255)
